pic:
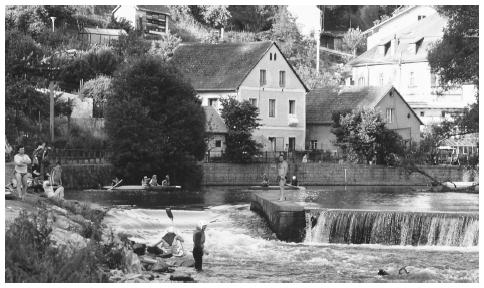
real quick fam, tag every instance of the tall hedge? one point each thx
(155, 123)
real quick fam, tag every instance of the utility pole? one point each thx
(53, 20)
(318, 36)
(51, 124)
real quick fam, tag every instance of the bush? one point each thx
(31, 257)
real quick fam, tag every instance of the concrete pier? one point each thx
(286, 218)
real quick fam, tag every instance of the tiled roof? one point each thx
(155, 8)
(214, 123)
(429, 28)
(102, 31)
(321, 103)
(218, 66)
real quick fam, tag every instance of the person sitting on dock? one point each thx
(145, 182)
(294, 181)
(166, 181)
(265, 180)
(154, 181)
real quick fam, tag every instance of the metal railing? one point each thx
(78, 156)
(273, 156)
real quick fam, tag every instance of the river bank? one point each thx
(72, 226)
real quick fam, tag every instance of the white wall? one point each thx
(405, 20)
(127, 12)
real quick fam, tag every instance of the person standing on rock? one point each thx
(21, 161)
(282, 170)
(198, 245)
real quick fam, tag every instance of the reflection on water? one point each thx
(398, 198)
(242, 249)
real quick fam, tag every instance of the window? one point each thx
(218, 143)
(420, 17)
(411, 81)
(274, 56)
(313, 144)
(263, 80)
(213, 102)
(155, 22)
(422, 114)
(292, 143)
(292, 106)
(282, 78)
(272, 107)
(270, 56)
(390, 112)
(361, 81)
(253, 101)
(443, 114)
(381, 79)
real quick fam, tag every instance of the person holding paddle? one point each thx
(282, 171)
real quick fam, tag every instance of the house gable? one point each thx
(273, 61)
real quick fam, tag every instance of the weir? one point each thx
(392, 227)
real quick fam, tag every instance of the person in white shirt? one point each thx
(21, 161)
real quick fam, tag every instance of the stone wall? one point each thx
(325, 174)
(89, 175)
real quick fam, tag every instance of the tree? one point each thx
(455, 58)
(362, 135)
(241, 119)
(254, 18)
(353, 39)
(155, 123)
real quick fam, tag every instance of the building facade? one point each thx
(400, 60)
(100, 35)
(394, 110)
(256, 72)
(152, 19)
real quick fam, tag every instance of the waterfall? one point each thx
(392, 227)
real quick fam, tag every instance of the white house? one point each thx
(152, 19)
(257, 72)
(400, 59)
(402, 18)
(394, 110)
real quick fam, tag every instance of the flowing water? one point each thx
(243, 249)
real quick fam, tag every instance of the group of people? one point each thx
(171, 244)
(38, 179)
(153, 182)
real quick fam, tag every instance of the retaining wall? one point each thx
(89, 175)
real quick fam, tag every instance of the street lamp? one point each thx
(53, 19)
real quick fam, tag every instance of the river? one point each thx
(243, 249)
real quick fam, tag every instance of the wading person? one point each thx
(21, 161)
(282, 170)
(171, 243)
(198, 245)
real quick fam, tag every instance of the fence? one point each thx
(78, 156)
(273, 156)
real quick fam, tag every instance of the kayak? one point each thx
(274, 187)
(139, 187)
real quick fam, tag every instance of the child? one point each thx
(265, 180)
(145, 182)
(154, 181)
(166, 181)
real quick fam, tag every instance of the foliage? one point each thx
(120, 24)
(154, 122)
(353, 39)
(455, 58)
(342, 17)
(30, 255)
(362, 136)
(241, 119)
(253, 18)
(216, 16)
(130, 45)
(97, 88)
(164, 48)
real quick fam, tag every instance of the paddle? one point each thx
(169, 214)
(116, 184)
(298, 187)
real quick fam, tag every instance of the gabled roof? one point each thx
(102, 31)
(213, 122)
(154, 8)
(223, 66)
(397, 13)
(429, 29)
(321, 103)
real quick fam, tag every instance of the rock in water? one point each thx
(139, 249)
(181, 276)
(133, 265)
